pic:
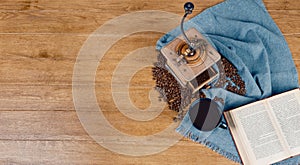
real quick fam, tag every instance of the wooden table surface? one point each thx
(39, 43)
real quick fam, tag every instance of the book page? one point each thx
(260, 133)
(287, 112)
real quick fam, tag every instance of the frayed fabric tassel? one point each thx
(196, 138)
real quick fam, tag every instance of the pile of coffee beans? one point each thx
(168, 87)
(202, 77)
(230, 78)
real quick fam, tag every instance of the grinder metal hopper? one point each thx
(191, 69)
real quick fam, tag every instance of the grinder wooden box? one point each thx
(188, 69)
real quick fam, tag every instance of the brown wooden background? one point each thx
(39, 43)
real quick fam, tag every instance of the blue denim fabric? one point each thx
(244, 33)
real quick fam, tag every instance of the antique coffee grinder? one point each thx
(190, 57)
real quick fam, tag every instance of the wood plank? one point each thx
(36, 72)
(126, 5)
(287, 21)
(35, 97)
(97, 5)
(38, 125)
(38, 61)
(293, 43)
(85, 22)
(281, 5)
(18, 97)
(40, 47)
(65, 125)
(87, 152)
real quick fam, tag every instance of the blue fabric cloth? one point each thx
(244, 33)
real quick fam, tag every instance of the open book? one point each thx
(268, 130)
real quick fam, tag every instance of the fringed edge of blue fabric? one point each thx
(194, 136)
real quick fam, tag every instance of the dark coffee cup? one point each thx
(206, 114)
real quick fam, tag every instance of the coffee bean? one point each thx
(218, 99)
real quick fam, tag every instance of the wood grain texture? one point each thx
(39, 43)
